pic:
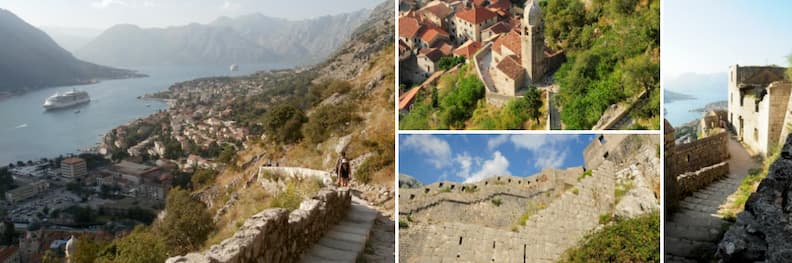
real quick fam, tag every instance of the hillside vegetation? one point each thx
(613, 52)
(626, 240)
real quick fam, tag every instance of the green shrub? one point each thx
(328, 120)
(289, 199)
(629, 240)
(403, 224)
(496, 201)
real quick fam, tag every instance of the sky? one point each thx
(706, 36)
(102, 14)
(474, 157)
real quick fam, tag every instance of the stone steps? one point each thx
(346, 241)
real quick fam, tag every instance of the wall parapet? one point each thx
(277, 235)
(691, 182)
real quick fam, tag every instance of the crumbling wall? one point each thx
(277, 235)
(762, 231)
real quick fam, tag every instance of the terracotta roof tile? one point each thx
(511, 67)
(431, 34)
(408, 27)
(468, 49)
(434, 54)
(511, 41)
(475, 15)
(446, 48)
(500, 27)
(438, 9)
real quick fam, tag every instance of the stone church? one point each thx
(519, 57)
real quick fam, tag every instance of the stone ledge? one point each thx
(277, 235)
(691, 182)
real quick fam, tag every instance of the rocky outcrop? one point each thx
(763, 231)
(277, 235)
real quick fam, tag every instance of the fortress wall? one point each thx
(277, 235)
(616, 147)
(691, 182)
(693, 156)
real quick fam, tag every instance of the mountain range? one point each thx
(254, 38)
(30, 59)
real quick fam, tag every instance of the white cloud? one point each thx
(101, 4)
(465, 162)
(149, 4)
(438, 150)
(498, 165)
(497, 141)
(553, 158)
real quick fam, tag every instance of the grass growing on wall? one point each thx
(625, 240)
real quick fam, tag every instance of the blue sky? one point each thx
(708, 36)
(470, 158)
(101, 14)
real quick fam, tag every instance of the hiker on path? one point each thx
(343, 170)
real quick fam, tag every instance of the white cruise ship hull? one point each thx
(60, 105)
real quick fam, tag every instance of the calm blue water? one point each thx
(27, 132)
(707, 88)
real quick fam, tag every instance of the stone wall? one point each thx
(762, 231)
(277, 235)
(705, 152)
(690, 182)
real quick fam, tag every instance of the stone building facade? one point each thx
(758, 104)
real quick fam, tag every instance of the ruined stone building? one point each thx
(758, 105)
(534, 218)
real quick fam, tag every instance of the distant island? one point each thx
(671, 96)
(718, 105)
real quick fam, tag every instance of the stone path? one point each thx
(346, 241)
(692, 233)
(553, 114)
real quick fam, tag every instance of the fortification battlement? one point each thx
(549, 179)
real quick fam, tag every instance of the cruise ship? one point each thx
(68, 99)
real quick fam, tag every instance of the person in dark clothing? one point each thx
(343, 170)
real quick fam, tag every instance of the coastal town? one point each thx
(106, 190)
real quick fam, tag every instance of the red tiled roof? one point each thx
(511, 41)
(502, 5)
(446, 48)
(510, 66)
(434, 54)
(468, 49)
(408, 26)
(475, 15)
(500, 27)
(438, 9)
(431, 34)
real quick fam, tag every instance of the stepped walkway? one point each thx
(346, 241)
(693, 232)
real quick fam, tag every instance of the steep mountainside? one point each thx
(29, 59)
(247, 39)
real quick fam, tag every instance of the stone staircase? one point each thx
(692, 233)
(566, 220)
(346, 241)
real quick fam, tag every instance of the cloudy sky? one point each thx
(706, 36)
(101, 14)
(470, 158)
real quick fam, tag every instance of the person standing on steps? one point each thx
(343, 170)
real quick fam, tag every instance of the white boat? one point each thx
(233, 67)
(68, 99)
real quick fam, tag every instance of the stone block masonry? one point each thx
(277, 235)
(762, 231)
(690, 182)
